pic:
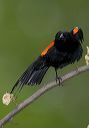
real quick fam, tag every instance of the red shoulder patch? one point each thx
(47, 48)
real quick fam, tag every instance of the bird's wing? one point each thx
(54, 57)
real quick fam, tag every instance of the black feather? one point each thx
(33, 74)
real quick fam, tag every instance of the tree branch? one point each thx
(40, 92)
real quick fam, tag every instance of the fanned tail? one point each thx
(33, 75)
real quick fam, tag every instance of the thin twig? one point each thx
(40, 92)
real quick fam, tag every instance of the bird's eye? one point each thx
(61, 36)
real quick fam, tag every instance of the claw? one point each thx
(76, 68)
(59, 79)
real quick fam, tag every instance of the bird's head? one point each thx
(77, 33)
(60, 36)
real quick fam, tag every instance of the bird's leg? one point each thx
(56, 75)
(59, 79)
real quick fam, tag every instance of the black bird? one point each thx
(65, 49)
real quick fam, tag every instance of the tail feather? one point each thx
(33, 75)
(42, 75)
(37, 76)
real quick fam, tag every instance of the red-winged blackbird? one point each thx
(63, 50)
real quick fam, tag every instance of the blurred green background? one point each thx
(26, 28)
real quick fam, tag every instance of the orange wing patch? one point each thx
(76, 29)
(46, 49)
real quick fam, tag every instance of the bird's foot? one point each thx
(76, 68)
(59, 79)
